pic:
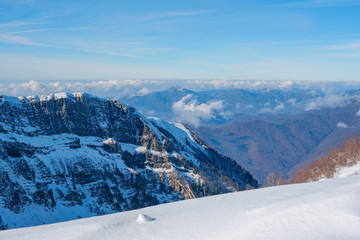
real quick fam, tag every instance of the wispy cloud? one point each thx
(347, 55)
(319, 3)
(349, 49)
(185, 13)
(21, 24)
(150, 17)
(12, 38)
(17, 37)
(329, 100)
(19, 33)
(345, 46)
(190, 111)
(99, 51)
(282, 43)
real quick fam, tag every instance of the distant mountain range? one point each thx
(221, 106)
(264, 147)
(270, 130)
(67, 156)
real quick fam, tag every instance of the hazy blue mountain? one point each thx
(282, 146)
(234, 103)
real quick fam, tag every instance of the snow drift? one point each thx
(327, 209)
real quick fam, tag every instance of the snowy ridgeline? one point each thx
(320, 210)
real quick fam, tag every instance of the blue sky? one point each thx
(253, 40)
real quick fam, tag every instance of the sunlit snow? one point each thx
(318, 210)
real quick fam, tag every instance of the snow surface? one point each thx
(61, 95)
(318, 210)
(48, 97)
(348, 171)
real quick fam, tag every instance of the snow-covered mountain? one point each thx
(67, 156)
(319, 210)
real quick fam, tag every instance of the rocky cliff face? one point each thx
(68, 156)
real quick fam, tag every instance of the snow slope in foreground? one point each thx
(320, 210)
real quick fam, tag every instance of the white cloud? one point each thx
(268, 109)
(190, 111)
(110, 88)
(131, 87)
(279, 107)
(357, 113)
(141, 92)
(30, 87)
(144, 91)
(150, 113)
(226, 114)
(329, 100)
(291, 101)
(286, 84)
(211, 84)
(117, 84)
(342, 125)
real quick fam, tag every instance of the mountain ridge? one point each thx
(84, 156)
